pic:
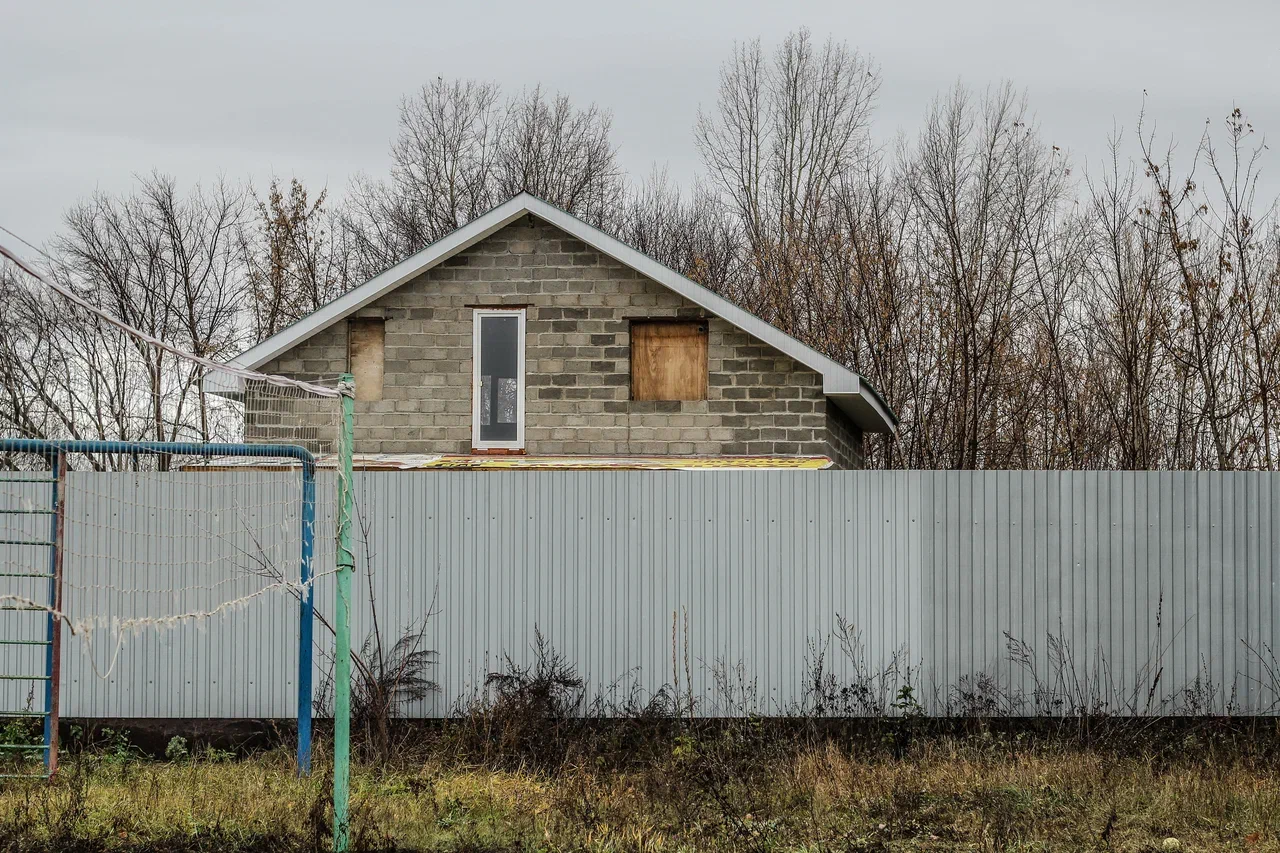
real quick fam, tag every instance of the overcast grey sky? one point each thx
(96, 92)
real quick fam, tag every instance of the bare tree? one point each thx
(166, 264)
(294, 258)
(1123, 300)
(560, 154)
(985, 191)
(1012, 316)
(1247, 259)
(462, 149)
(692, 235)
(875, 321)
(784, 133)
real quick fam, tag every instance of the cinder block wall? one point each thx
(579, 305)
(844, 439)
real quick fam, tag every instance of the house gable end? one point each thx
(846, 388)
(579, 304)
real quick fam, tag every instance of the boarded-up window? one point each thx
(366, 341)
(668, 360)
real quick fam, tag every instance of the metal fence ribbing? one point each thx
(1115, 575)
(1125, 573)
(99, 538)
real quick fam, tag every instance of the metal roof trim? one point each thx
(837, 379)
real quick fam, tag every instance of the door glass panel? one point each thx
(499, 377)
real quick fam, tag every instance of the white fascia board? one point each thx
(693, 291)
(837, 380)
(382, 284)
(222, 384)
(866, 410)
(883, 417)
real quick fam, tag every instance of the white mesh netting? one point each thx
(182, 502)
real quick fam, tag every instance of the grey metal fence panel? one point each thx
(171, 544)
(1016, 591)
(166, 544)
(718, 586)
(1148, 592)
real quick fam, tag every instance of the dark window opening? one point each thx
(499, 383)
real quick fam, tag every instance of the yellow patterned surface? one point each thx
(646, 463)
(430, 462)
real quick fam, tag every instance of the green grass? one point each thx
(703, 790)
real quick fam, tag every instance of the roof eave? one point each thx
(864, 406)
(850, 391)
(382, 284)
(222, 384)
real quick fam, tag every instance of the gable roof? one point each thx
(846, 388)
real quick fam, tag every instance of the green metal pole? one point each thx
(342, 662)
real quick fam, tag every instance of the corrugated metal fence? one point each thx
(994, 592)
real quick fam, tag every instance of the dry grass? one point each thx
(696, 790)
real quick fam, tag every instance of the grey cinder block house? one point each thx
(529, 332)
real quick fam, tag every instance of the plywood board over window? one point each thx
(366, 343)
(668, 360)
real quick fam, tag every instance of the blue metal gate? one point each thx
(57, 454)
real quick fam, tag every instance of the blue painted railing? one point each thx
(58, 450)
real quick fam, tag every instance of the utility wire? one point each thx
(318, 390)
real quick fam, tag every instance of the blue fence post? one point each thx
(60, 449)
(307, 603)
(53, 629)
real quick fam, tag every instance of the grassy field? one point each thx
(736, 787)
